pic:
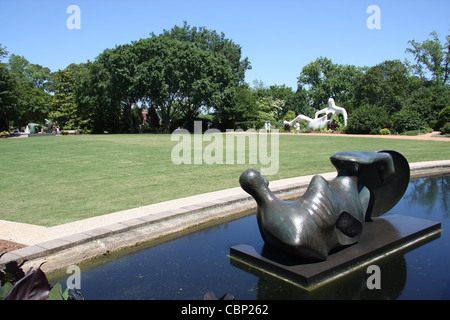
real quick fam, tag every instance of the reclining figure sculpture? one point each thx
(36, 127)
(320, 122)
(331, 214)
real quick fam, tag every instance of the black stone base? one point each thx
(382, 236)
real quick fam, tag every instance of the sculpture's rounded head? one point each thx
(255, 184)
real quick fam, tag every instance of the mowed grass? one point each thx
(53, 180)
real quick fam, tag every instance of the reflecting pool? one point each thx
(192, 265)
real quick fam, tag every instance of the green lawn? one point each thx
(53, 180)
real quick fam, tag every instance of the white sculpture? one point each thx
(317, 122)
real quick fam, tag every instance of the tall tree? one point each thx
(121, 64)
(180, 77)
(432, 59)
(8, 98)
(64, 109)
(210, 40)
(97, 108)
(432, 66)
(385, 85)
(294, 101)
(35, 75)
(240, 109)
(178, 73)
(214, 66)
(323, 80)
(32, 90)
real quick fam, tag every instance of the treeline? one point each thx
(186, 74)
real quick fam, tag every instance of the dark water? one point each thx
(190, 266)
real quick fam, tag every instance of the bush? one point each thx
(444, 117)
(385, 132)
(408, 120)
(446, 128)
(290, 115)
(366, 118)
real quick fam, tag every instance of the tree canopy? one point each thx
(177, 73)
(189, 73)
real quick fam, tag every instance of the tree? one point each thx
(97, 108)
(271, 106)
(33, 104)
(239, 109)
(284, 97)
(207, 67)
(432, 59)
(179, 78)
(323, 80)
(64, 109)
(109, 90)
(177, 73)
(210, 40)
(8, 98)
(432, 66)
(32, 90)
(428, 101)
(122, 65)
(33, 74)
(385, 85)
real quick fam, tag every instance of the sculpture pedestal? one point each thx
(383, 236)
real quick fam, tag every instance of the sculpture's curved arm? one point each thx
(333, 106)
(298, 118)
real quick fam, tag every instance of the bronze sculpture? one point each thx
(331, 214)
(35, 128)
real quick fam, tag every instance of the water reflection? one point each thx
(430, 194)
(351, 286)
(348, 287)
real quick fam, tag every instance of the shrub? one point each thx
(366, 118)
(408, 120)
(385, 132)
(446, 128)
(444, 117)
(290, 115)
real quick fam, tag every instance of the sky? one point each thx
(278, 37)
